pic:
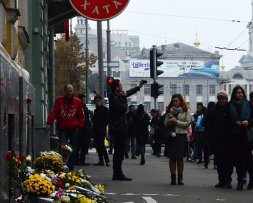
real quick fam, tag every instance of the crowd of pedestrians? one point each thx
(222, 131)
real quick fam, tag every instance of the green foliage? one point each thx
(70, 64)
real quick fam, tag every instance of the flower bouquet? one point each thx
(18, 168)
(65, 151)
(73, 185)
(38, 185)
(49, 162)
(49, 183)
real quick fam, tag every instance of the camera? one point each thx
(144, 81)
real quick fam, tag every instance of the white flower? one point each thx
(69, 149)
(50, 153)
(67, 185)
(43, 175)
(62, 175)
(28, 158)
(65, 198)
(173, 134)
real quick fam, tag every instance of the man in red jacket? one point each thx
(69, 115)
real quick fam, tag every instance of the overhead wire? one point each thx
(236, 48)
(189, 17)
(201, 18)
(237, 37)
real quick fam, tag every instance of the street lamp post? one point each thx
(108, 32)
(100, 60)
(86, 59)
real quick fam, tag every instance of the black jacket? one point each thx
(101, 119)
(130, 124)
(118, 107)
(141, 122)
(87, 117)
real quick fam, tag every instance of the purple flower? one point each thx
(54, 180)
(59, 194)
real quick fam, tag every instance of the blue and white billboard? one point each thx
(176, 68)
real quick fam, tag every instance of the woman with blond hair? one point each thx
(177, 120)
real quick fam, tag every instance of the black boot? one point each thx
(142, 162)
(240, 186)
(180, 179)
(173, 179)
(250, 185)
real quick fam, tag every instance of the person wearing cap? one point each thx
(85, 133)
(220, 127)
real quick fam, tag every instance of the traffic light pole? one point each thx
(100, 60)
(108, 32)
(86, 59)
(154, 73)
(154, 70)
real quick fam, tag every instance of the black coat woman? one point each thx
(117, 125)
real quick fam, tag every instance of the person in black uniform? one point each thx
(100, 122)
(117, 125)
(85, 133)
(141, 122)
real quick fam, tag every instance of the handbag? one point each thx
(249, 133)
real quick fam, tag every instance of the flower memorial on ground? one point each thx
(48, 182)
(65, 151)
(49, 162)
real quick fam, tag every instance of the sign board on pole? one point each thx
(176, 68)
(113, 64)
(99, 10)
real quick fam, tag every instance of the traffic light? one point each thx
(110, 81)
(155, 92)
(154, 63)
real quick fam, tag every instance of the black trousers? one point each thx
(118, 155)
(84, 143)
(100, 146)
(224, 161)
(250, 161)
(240, 155)
(158, 140)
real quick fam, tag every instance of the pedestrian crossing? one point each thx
(150, 198)
(147, 198)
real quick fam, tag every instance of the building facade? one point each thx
(16, 92)
(125, 49)
(187, 75)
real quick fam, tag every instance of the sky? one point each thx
(159, 22)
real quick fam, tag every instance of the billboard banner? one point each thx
(176, 68)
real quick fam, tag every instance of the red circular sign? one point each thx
(99, 9)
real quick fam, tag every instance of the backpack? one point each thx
(199, 127)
